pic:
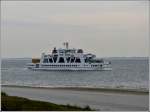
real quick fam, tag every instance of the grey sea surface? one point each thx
(128, 73)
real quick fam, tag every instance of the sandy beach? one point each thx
(99, 99)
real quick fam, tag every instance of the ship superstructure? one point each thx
(69, 59)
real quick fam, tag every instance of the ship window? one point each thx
(78, 60)
(45, 61)
(68, 59)
(50, 60)
(72, 59)
(86, 60)
(55, 58)
(61, 60)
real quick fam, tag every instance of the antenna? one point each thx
(66, 44)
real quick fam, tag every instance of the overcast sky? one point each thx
(110, 28)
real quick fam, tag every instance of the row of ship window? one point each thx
(70, 65)
(61, 60)
(62, 65)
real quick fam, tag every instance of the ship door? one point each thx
(37, 65)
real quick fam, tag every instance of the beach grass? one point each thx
(14, 103)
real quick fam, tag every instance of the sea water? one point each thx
(132, 73)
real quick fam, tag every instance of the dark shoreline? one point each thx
(108, 90)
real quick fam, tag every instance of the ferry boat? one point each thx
(69, 59)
